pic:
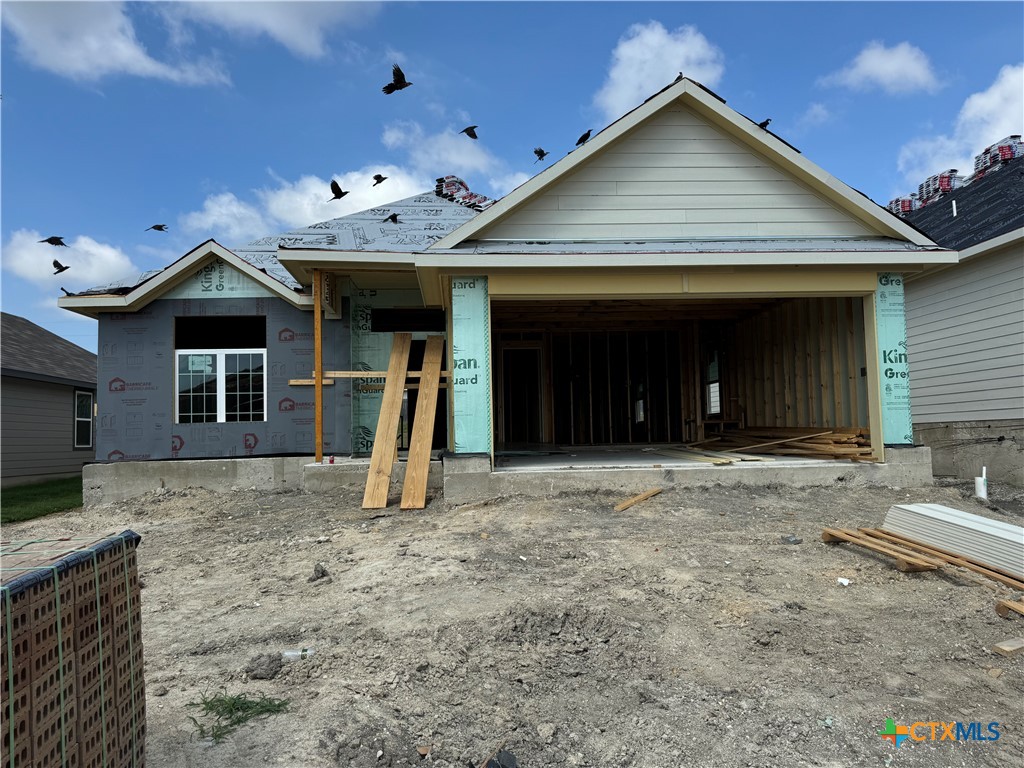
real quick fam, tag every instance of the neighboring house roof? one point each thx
(30, 352)
(687, 119)
(985, 208)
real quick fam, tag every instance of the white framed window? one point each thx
(220, 385)
(83, 418)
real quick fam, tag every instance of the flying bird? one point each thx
(54, 240)
(583, 139)
(157, 227)
(337, 190)
(764, 124)
(398, 81)
(377, 179)
(66, 291)
(540, 153)
(58, 267)
(393, 218)
(470, 131)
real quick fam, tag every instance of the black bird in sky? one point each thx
(157, 227)
(398, 81)
(58, 267)
(470, 131)
(393, 218)
(583, 139)
(377, 179)
(337, 190)
(764, 124)
(66, 291)
(54, 240)
(540, 153)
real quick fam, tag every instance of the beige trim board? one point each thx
(669, 285)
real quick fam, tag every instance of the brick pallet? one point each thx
(72, 656)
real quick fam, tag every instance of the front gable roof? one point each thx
(154, 285)
(682, 167)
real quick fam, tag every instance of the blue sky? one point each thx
(228, 120)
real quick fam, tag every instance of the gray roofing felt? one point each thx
(422, 220)
(985, 208)
(28, 351)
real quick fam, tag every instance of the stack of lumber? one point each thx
(811, 442)
(992, 543)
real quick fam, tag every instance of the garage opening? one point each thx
(643, 372)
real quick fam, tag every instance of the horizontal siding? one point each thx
(37, 430)
(965, 340)
(677, 176)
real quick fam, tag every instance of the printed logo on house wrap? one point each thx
(933, 730)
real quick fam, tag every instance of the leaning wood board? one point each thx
(385, 440)
(414, 492)
(637, 499)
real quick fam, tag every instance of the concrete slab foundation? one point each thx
(467, 479)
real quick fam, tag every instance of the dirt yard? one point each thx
(680, 632)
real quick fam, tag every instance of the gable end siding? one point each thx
(678, 177)
(965, 332)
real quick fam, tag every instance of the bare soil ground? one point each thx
(680, 632)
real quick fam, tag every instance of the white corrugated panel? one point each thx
(994, 543)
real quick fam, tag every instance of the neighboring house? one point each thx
(47, 396)
(681, 271)
(965, 329)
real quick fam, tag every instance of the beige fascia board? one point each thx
(154, 288)
(886, 261)
(300, 262)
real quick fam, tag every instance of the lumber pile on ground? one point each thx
(805, 442)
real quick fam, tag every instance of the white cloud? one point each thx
(89, 262)
(502, 185)
(227, 220)
(299, 27)
(985, 118)
(88, 41)
(439, 154)
(904, 68)
(649, 57)
(816, 114)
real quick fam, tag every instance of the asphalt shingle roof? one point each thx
(28, 351)
(985, 208)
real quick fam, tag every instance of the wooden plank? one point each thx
(906, 560)
(310, 382)
(691, 455)
(778, 377)
(964, 562)
(731, 456)
(799, 331)
(837, 366)
(852, 373)
(378, 481)
(637, 499)
(1005, 607)
(417, 466)
(318, 364)
(1009, 647)
(825, 382)
(788, 348)
(776, 442)
(374, 374)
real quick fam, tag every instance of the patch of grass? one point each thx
(225, 713)
(27, 502)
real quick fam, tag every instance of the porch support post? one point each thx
(470, 382)
(318, 363)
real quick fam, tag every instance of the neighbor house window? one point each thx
(83, 419)
(220, 385)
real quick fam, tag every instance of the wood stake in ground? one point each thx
(637, 499)
(1009, 647)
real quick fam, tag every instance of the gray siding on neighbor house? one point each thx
(37, 431)
(965, 338)
(136, 383)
